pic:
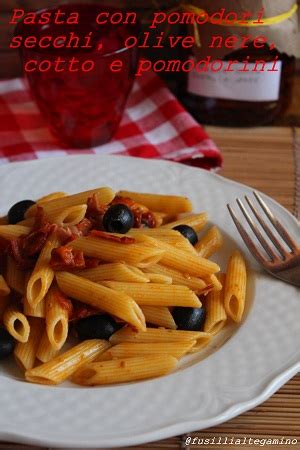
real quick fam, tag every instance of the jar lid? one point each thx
(282, 34)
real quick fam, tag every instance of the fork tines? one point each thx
(274, 256)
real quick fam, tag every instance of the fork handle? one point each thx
(289, 271)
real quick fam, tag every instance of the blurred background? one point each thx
(10, 66)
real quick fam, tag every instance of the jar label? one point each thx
(252, 86)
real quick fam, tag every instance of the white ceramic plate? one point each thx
(256, 359)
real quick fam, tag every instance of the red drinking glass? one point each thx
(83, 108)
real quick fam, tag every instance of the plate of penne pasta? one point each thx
(130, 309)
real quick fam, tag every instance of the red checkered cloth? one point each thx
(155, 125)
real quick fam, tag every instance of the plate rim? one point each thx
(212, 173)
(162, 433)
(176, 428)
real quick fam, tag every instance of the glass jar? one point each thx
(238, 98)
(212, 110)
(145, 11)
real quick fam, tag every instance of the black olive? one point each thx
(188, 232)
(16, 212)
(190, 319)
(118, 219)
(7, 343)
(97, 327)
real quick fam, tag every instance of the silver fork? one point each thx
(280, 262)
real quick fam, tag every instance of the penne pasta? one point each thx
(210, 243)
(57, 320)
(110, 251)
(114, 272)
(235, 287)
(38, 310)
(4, 288)
(152, 335)
(27, 222)
(159, 315)
(16, 323)
(54, 206)
(171, 237)
(214, 283)
(46, 351)
(157, 294)
(159, 278)
(180, 243)
(42, 275)
(170, 204)
(11, 232)
(14, 276)
(69, 216)
(124, 370)
(195, 284)
(25, 353)
(62, 366)
(134, 279)
(183, 261)
(163, 218)
(52, 196)
(196, 221)
(3, 220)
(215, 310)
(201, 343)
(101, 297)
(155, 232)
(131, 350)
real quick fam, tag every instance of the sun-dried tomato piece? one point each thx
(80, 311)
(64, 258)
(125, 201)
(15, 250)
(40, 219)
(65, 235)
(33, 243)
(64, 302)
(26, 249)
(68, 234)
(148, 219)
(110, 237)
(95, 211)
(91, 263)
(84, 227)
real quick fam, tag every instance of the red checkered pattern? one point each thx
(155, 125)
